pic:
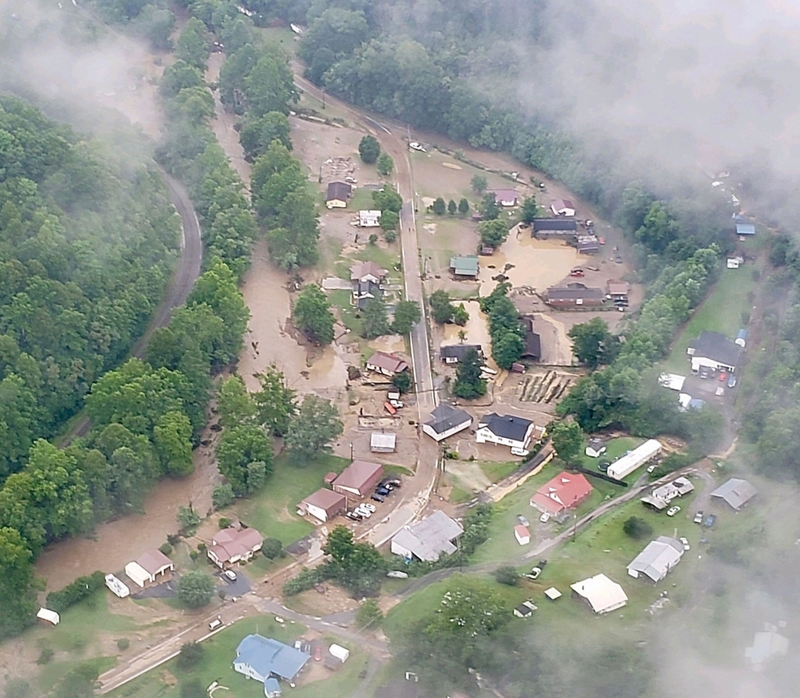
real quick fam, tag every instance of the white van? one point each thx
(214, 624)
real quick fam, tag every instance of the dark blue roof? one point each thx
(267, 656)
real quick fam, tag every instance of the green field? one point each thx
(496, 472)
(721, 311)
(273, 510)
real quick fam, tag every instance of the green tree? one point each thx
(270, 85)
(463, 207)
(188, 518)
(452, 207)
(271, 548)
(238, 448)
(275, 401)
(479, 184)
(234, 403)
(469, 383)
(222, 496)
(385, 164)
(195, 589)
(507, 349)
(369, 149)
(529, 210)
(493, 232)
(593, 344)
(375, 321)
(439, 207)
(389, 221)
(190, 656)
(369, 614)
(78, 683)
(17, 593)
(387, 199)
(489, 208)
(256, 134)
(402, 381)
(193, 44)
(406, 315)
(637, 528)
(567, 438)
(659, 228)
(460, 315)
(172, 439)
(315, 426)
(507, 575)
(442, 309)
(340, 544)
(312, 315)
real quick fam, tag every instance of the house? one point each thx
(745, 229)
(231, 545)
(338, 194)
(563, 207)
(587, 244)
(564, 491)
(386, 364)
(524, 610)
(661, 497)
(573, 295)
(737, 493)
(324, 504)
(715, 351)
(505, 430)
(363, 291)
(533, 342)
(369, 219)
(602, 594)
(382, 442)
(657, 559)
(272, 689)
(262, 658)
(446, 421)
(428, 539)
(505, 197)
(367, 271)
(522, 534)
(618, 290)
(766, 644)
(465, 267)
(621, 468)
(741, 338)
(358, 478)
(151, 568)
(595, 448)
(671, 381)
(454, 353)
(563, 228)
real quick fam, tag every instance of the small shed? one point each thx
(522, 534)
(595, 448)
(382, 442)
(272, 689)
(341, 653)
(525, 610)
(552, 593)
(369, 219)
(741, 338)
(48, 616)
(745, 229)
(465, 266)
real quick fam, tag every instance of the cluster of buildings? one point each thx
(576, 295)
(356, 481)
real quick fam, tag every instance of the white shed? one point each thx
(341, 653)
(369, 219)
(601, 593)
(382, 442)
(634, 459)
(48, 616)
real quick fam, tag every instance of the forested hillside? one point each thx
(87, 243)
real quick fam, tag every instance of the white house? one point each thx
(150, 568)
(715, 351)
(620, 469)
(602, 594)
(522, 534)
(369, 219)
(563, 207)
(505, 430)
(505, 197)
(386, 364)
(657, 559)
(446, 421)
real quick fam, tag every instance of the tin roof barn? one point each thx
(446, 421)
(358, 478)
(544, 228)
(324, 504)
(564, 491)
(428, 539)
(465, 267)
(737, 493)
(382, 442)
(602, 595)
(657, 559)
(574, 294)
(745, 229)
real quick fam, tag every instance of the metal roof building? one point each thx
(602, 594)
(634, 459)
(428, 539)
(737, 493)
(657, 559)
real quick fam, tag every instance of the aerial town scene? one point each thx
(371, 349)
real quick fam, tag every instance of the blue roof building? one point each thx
(745, 229)
(272, 689)
(263, 659)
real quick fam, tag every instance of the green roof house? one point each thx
(465, 267)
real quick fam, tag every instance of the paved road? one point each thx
(183, 278)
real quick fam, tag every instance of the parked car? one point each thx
(651, 468)
(673, 510)
(544, 518)
(368, 506)
(534, 573)
(723, 376)
(279, 620)
(318, 654)
(732, 382)
(711, 519)
(601, 241)
(685, 544)
(383, 491)
(230, 574)
(378, 497)
(214, 624)
(363, 513)
(705, 372)
(577, 273)
(390, 482)
(523, 520)
(354, 516)
(698, 517)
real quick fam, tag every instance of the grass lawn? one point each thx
(343, 684)
(721, 311)
(216, 665)
(273, 511)
(386, 258)
(362, 200)
(341, 300)
(498, 471)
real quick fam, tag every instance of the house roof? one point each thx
(658, 558)
(745, 229)
(465, 265)
(560, 204)
(267, 656)
(357, 475)
(431, 537)
(717, 347)
(522, 531)
(338, 191)
(523, 611)
(618, 288)
(735, 492)
(153, 561)
(602, 594)
(445, 417)
(325, 499)
(505, 194)
(766, 644)
(574, 291)
(230, 542)
(596, 444)
(533, 342)
(554, 224)
(368, 289)
(272, 687)
(388, 362)
(565, 490)
(369, 216)
(458, 351)
(382, 439)
(506, 426)
(359, 271)
(662, 496)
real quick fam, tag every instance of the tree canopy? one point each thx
(312, 430)
(312, 315)
(469, 383)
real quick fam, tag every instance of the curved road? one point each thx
(180, 286)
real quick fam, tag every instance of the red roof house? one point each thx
(358, 478)
(564, 491)
(232, 545)
(387, 364)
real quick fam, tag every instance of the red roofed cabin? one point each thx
(358, 478)
(324, 504)
(231, 545)
(564, 491)
(386, 364)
